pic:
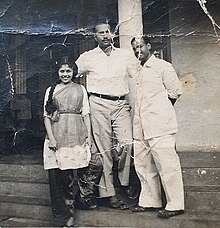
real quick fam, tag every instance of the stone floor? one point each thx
(19, 169)
(104, 217)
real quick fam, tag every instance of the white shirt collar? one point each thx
(150, 61)
(99, 50)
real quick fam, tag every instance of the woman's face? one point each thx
(65, 74)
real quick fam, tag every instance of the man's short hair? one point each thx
(145, 38)
(101, 23)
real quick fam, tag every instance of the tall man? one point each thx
(107, 69)
(155, 126)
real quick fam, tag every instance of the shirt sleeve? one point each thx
(132, 65)
(81, 63)
(171, 82)
(45, 114)
(85, 106)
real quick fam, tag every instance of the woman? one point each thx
(66, 147)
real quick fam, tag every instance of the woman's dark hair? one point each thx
(50, 106)
(64, 60)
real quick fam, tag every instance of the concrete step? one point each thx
(23, 176)
(35, 158)
(104, 217)
(116, 218)
(205, 198)
(28, 172)
(32, 209)
(26, 207)
(196, 198)
(24, 222)
(17, 187)
(25, 200)
(197, 159)
(39, 209)
(31, 181)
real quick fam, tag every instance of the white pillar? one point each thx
(130, 21)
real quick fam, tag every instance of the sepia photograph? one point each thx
(110, 113)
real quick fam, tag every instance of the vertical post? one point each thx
(130, 21)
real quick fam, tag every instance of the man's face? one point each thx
(141, 49)
(103, 35)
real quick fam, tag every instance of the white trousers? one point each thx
(156, 159)
(112, 117)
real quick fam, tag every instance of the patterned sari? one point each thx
(68, 128)
(70, 133)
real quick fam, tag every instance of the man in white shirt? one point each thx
(155, 126)
(107, 69)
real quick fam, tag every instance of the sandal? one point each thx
(143, 209)
(118, 205)
(70, 223)
(167, 214)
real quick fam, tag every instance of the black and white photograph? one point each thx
(110, 113)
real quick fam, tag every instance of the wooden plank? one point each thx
(25, 200)
(115, 218)
(35, 158)
(26, 211)
(30, 172)
(208, 188)
(3, 218)
(25, 222)
(201, 176)
(206, 201)
(21, 189)
(188, 159)
(105, 217)
(25, 179)
(200, 159)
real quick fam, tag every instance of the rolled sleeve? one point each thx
(85, 107)
(171, 82)
(81, 63)
(133, 66)
(45, 114)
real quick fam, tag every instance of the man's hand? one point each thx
(83, 74)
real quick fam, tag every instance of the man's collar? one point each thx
(100, 50)
(149, 62)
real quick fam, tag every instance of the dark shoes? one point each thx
(118, 205)
(162, 213)
(167, 214)
(132, 192)
(85, 203)
(70, 223)
(138, 209)
(115, 203)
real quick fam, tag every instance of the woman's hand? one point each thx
(87, 122)
(89, 141)
(52, 145)
(52, 142)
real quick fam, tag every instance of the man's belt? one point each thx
(113, 98)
